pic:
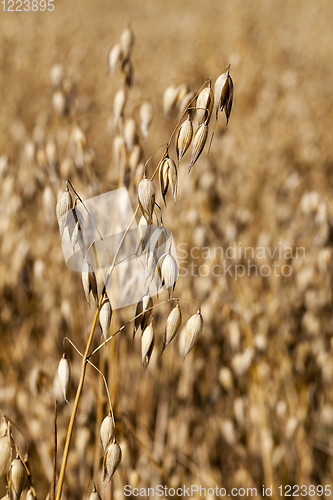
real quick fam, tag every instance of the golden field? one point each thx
(252, 403)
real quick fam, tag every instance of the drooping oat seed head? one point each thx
(115, 56)
(146, 197)
(147, 344)
(221, 92)
(89, 282)
(63, 207)
(183, 138)
(112, 459)
(107, 431)
(172, 326)
(169, 273)
(119, 105)
(193, 328)
(204, 105)
(64, 373)
(146, 117)
(199, 141)
(129, 133)
(17, 478)
(5, 452)
(126, 42)
(105, 315)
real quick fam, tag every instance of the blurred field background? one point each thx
(252, 404)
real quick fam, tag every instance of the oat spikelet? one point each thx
(157, 243)
(146, 117)
(173, 179)
(107, 431)
(147, 344)
(147, 305)
(89, 282)
(64, 373)
(77, 238)
(143, 235)
(105, 315)
(126, 42)
(112, 459)
(183, 138)
(143, 313)
(168, 272)
(119, 105)
(221, 92)
(64, 205)
(199, 141)
(164, 178)
(129, 133)
(5, 452)
(146, 197)
(17, 478)
(114, 58)
(193, 328)
(204, 105)
(172, 326)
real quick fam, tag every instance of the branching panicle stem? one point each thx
(91, 334)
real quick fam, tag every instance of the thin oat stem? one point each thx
(107, 389)
(72, 344)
